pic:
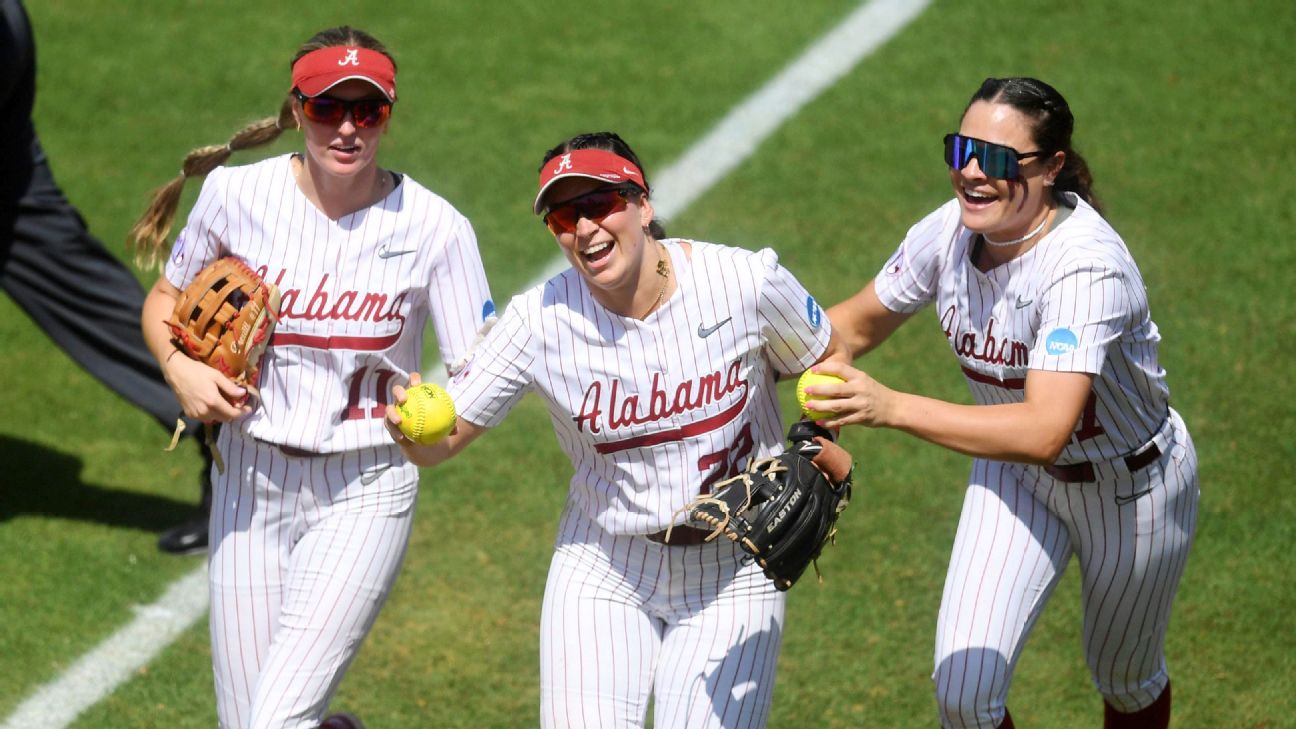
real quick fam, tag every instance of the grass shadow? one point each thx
(37, 480)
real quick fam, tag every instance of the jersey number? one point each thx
(728, 462)
(1088, 427)
(359, 387)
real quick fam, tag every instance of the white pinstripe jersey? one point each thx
(357, 293)
(651, 412)
(1075, 302)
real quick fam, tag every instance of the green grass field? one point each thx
(1179, 109)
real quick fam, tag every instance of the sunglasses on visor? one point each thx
(596, 205)
(366, 113)
(996, 160)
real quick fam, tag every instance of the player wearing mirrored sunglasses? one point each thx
(1076, 449)
(312, 514)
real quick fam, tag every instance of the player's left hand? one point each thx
(860, 400)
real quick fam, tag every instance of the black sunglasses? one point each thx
(996, 160)
(367, 113)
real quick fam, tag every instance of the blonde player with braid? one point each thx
(312, 514)
(1077, 450)
(657, 359)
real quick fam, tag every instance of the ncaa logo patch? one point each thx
(178, 249)
(813, 313)
(1061, 341)
(488, 309)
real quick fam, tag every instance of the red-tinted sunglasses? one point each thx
(366, 113)
(595, 205)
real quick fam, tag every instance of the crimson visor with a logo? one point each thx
(324, 68)
(594, 164)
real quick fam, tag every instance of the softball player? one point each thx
(1077, 451)
(657, 359)
(312, 514)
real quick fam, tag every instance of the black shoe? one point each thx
(187, 538)
(341, 721)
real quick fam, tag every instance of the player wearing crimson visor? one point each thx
(657, 358)
(313, 512)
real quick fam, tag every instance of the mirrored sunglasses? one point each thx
(996, 160)
(365, 113)
(595, 206)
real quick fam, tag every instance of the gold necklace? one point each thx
(663, 270)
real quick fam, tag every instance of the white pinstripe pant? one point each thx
(1018, 530)
(624, 617)
(303, 556)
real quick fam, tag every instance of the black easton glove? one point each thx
(782, 510)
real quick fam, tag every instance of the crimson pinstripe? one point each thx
(306, 548)
(650, 412)
(337, 287)
(1074, 302)
(1058, 284)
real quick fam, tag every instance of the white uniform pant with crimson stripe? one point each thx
(698, 627)
(1130, 534)
(304, 552)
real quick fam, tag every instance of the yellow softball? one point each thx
(810, 378)
(427, 415)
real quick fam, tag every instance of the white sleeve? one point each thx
(498, 373)
(1083, 312)
(202, 240)
(459, 295)
(794, 326)
(908, 281)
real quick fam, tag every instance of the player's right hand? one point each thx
(393, 419)
(858, 400)
(205, 393)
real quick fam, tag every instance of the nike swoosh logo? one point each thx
(385, 253)
(1123, 500)
(1021, 303)
(705, 332)
(628, 171)
(371, 476)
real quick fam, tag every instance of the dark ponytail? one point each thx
(1053, 125)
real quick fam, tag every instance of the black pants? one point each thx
(79, 294)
